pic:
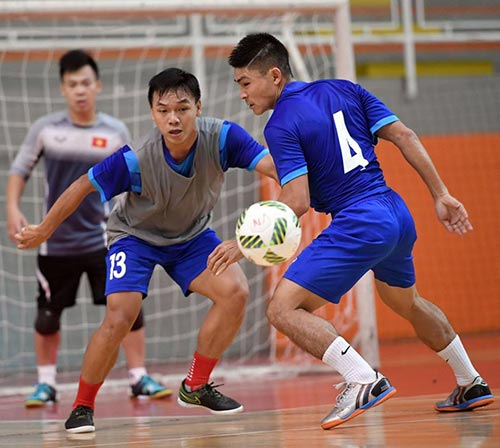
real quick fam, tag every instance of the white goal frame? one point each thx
(194, 8)
(198, 14)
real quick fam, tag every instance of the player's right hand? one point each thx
(15, 222)
(30, 236)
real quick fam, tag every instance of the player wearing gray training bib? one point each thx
(168, 185)
(172, 208)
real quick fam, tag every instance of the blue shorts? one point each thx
(131, 261)
(377, 233)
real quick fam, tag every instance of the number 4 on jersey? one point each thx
(348, 145)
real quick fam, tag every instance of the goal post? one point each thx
(197, 12)
(132, 41)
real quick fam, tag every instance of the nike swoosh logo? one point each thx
(193, 400)
(343, 352)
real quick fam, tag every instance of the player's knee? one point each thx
(272, 311)
(277, 311)
(139, 322)
(242, 292)
(47, 321)
(239, 296)
(233, 299)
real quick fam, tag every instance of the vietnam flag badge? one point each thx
(99, 142)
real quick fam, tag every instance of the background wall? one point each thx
(460, 274)
(455, 113)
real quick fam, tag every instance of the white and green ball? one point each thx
(268, 233)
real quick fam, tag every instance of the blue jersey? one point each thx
(326, 129)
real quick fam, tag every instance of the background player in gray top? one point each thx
(168, 184)
(71, 141)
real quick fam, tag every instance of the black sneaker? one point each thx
(209, 397)
(80, 420)
(466, 398)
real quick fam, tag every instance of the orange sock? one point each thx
(200, 371)
(86, 393)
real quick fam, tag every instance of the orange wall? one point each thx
(459, 274)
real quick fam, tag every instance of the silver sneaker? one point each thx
(356, 398)
(466, 398)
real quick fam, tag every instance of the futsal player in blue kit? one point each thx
(322, 137)
(167, 185)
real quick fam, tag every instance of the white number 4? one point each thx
(117, 266)
(348, 145)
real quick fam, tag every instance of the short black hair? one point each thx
(262, 51)
(74, 60)
(173, 79)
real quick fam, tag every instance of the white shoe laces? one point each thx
(345, 392)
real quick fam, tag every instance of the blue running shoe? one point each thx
(357, 398)
(43, 394)
(466, 398)
(148, 387)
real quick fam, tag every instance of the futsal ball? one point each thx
(268, 233)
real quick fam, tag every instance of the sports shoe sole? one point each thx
(468, 405)
(371, 404)
(81, 429)
(226, 412)
(80, 436)
(36, 403)
(158, 395)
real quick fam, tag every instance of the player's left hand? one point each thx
(453, 214)
(225, 254)
(29, 237)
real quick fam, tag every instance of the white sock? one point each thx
(47, 374)
(135, 374)
(348, 362)
(456, 357)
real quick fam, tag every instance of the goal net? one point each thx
(131, 44)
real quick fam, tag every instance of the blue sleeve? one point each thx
(116, 174)
(288, 155)
(377, 113)
(238, 149)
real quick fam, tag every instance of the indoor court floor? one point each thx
(280, 412)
